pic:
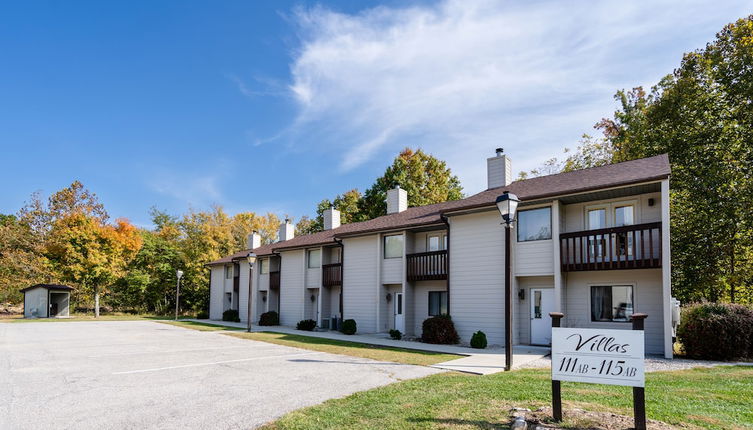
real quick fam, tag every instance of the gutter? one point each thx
(446, 222)
(342, 277)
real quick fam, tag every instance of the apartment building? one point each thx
(593, 244)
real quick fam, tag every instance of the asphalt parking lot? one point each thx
(141, 374)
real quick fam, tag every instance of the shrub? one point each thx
(716, 331)
(439, 329)
(202, 315)
(349, 327)
(308, 325)
(395, 334)
(231, 315)
(478, 340)
(269, 318)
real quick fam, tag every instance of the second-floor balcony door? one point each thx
(399, 313)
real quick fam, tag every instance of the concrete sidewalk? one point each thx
(477, 361)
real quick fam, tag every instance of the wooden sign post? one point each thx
(614, 357)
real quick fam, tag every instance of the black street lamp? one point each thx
(508, 205)
(251, 258)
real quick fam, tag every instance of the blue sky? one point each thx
(273, 106)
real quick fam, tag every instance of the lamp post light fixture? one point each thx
(507, 204)
(178, 274)
(251, 258)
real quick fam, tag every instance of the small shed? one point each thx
(47, 301)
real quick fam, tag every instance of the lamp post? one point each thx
(178, 274)
(508, 204)
(251, 258)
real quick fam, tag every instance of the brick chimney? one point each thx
(254, 240)
(498, 170)
(397, 200)
(287, 231)
(331, 218)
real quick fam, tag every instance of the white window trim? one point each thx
(551, 223)
(609, 208)
(616, 324)
(442, 241)
(308, 258)
(384, 246)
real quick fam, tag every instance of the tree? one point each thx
(427, 180)
(702, 116)
(22, 262)
(89, 254)
(591, 152)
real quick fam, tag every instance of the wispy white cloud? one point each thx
(462, 77)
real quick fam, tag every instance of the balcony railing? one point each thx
(274, 279)
(627, 247)
(427, 266)
(332, 274)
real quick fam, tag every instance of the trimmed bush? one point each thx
(716, 331)
(396, 335)
(307, 325)
(478, 340)
(202, 315)
(349, 327)
(440, 330)
(231, 315)
(269, 318)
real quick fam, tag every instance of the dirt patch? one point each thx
(579, 419)
(9, 309)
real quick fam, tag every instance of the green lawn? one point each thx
(381, 353)
(715, 398)
(201, 326)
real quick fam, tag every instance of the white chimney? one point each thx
(331, 218)
(397, 200)
(499, 170)
(253, 241)
(287, 231)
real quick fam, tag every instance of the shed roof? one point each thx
(542, 187)
(48, 287)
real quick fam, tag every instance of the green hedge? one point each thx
(716, 331)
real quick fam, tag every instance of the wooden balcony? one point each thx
(627, 247)
(274, 280)
(332, 274)
(427, 266)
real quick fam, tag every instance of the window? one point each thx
(623, 215)
(264, 266)
(436, 242)
(437, 303)
(315, 258)
(393, 246)
(535, 224)
(611, 303)
(228, 272)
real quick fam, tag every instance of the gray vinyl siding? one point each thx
(647, 295)
(575, 213)
(522, 312)
(360, 282)
(392, 270)
(291, 287)
(533, 258)
(243, 292)
(420, 307)
(216, 292)
(477, 275)
(35, 300)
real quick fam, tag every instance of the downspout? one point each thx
(279, 288)
(446, 222)
(342, 276)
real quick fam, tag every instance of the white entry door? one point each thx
(399, 313)
(542, 302)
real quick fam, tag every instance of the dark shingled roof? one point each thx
(47, 286)
(578, 181)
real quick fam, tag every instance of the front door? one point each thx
(542, 302)
(399, 313)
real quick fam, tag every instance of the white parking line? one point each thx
(214, 363)
(169, 351)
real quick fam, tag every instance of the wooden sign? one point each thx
(597, 356)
